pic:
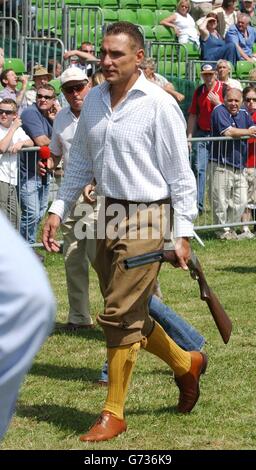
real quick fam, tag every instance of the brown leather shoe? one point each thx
(106, 427)
(189, 382)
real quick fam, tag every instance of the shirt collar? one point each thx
(142, 84)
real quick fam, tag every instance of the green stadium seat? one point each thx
(172, 69)
(56, 85)
(192, 51)
(181, 70)
(145, 17)
(15, 64)
(161, 15)
(127, 15)
(165, 69)
(109, 15)
(79, 17)
(169, 5)
(163, 34)
(148, 32)
(243, 68)
(48, 19)
(129, 4)
(150, 4)
(90, 3)
(111, 4)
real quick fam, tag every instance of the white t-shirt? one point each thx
(8, 161)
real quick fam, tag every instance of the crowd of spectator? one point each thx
(224, 33)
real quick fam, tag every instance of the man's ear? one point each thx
(139, 56)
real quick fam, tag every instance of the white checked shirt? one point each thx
(137, 152)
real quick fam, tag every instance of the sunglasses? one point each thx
(91, 51)
(250, 99)
(46, 97)
(8, 112)
(71, 89)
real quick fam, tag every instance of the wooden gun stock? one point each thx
(220, 317)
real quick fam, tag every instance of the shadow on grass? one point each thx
(65, 372)
(64, 417)
(73, 420)
(239, 269)
(90, 334)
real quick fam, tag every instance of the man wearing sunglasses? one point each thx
(75, 86)
(37, 121)
(12, 139)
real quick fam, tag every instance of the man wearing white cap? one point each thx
(75, 86)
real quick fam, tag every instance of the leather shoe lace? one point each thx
(106, 427)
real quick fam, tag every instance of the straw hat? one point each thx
(39, 71)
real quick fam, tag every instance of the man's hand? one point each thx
(16, 123)
(49, 232)
(42, 168)
(180, 255)
(89, 193)
(214, 98)
(15, 147)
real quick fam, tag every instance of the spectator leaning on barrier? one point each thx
(205, 98)
(227, 181)
(12, 139)
(37, 121)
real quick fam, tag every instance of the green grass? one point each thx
(59, 399)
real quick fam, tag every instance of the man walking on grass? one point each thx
(121, 141)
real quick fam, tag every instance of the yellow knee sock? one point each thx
(160, 344)
(120, 366)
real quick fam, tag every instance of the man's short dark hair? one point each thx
(3, 76)
(47, 87)
(125, 27)
(11, 102)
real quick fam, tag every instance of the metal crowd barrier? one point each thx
(225, 188)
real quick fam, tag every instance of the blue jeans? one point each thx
(33, 202)
(185, 335)
(200, 158)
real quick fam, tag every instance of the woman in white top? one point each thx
(182, 23)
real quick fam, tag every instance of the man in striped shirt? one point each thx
(131, 139)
